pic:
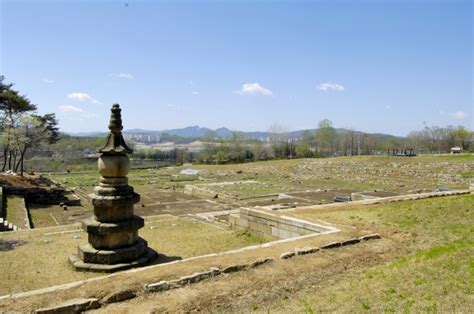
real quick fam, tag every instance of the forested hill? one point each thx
(196, 132)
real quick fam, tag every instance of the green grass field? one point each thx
(436, 273)
(362, 173)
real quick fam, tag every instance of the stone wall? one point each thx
(274, 226)
(49, 196)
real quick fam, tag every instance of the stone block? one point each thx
(331, 245)
(157, 286)
(119, 296)
(72, 306)
(283, 234)
(350, 241)
(232, 220)
(265, 229)
(260, 261)
(114, 240)
(106, 189)
(80, 265)
(234, 268)
(113, 208)
(89, 254)
(196, 277)
(306, 250)
(178, 283)
(94, 226)
(373, 236)
(242, 222)
(287, 255)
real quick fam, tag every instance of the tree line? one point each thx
(26, 134)
(22, 128)
(437, 139)
(326, 141)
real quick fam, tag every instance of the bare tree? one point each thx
(278, 138)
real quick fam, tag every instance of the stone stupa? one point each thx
(114, 243)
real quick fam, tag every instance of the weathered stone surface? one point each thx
(119, 296)
(373, 236)
(287, 255)
(234, 268)
(114, 240)
(93, 226)
(89, 254)
(114, 166)
(331, 245)
(80, 265)
(114, 243)
(71, 306)
(111, 209)
(306, 250)
(350, 241)
(260, 261)
(157, 286)
(269, 224)
(183, 281)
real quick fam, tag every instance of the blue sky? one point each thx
(376, 66)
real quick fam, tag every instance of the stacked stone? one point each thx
(114, 243)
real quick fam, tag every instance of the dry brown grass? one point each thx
(42, 260)
(16, 213)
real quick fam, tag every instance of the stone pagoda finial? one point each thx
(114, 143)
(112, 231)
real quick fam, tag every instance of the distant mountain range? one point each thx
(199, 132)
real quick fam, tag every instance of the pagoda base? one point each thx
(90, 259)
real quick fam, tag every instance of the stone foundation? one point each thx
(276, 227)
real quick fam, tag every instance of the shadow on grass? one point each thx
(162, 259)
(7, 245)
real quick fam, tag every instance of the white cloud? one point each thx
(459, 115)
(253, 89)
(83, 97)
(47, 81)
(195, 92)
(70, 108)
(331, 86)
(75, 113)
(127, 76)
(388, 107)
(79, 96)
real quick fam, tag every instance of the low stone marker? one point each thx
(119, 296)
(287, 255)
(342, 198)
(178, 283)
(306, 250)
(71, 306)
(331, 245)
(373, 236)
(350, 241)
(234, 268)
(197, 277)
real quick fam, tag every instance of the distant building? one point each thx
(401, 152)
(456, 150)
